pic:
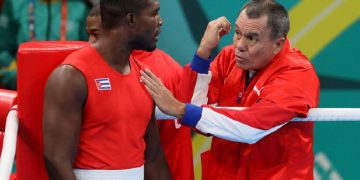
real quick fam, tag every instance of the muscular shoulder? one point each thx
(65, 71)
(66, 81)
(83, 58)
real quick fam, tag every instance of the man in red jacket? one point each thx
(175, 138)
(259, 71)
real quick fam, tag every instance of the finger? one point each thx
(148, 82)
(143, 76)
(151, 92)
(223, 26)
(148, 77)
(216, 24)
(228, 23)
(219, 22)
(156, 87)
(226, 26)
(152, 76)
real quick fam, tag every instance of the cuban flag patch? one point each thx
(103, 84)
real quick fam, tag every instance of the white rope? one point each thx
(12, 123)
(332, 114)
(315, 114)
(9, 145)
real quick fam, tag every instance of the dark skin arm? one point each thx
(156, 166)
(65, 95)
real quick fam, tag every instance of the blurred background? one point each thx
(327, 31)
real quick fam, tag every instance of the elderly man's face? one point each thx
(254, 48)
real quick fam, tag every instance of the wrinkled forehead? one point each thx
(244, 23)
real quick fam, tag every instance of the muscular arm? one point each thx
(65, 95)
(155, 164)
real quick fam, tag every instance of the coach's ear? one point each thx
(278, 45)
(130, 19)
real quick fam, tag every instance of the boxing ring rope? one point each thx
(9, 144)
(315, 114)
(332, 114)
(12, 123)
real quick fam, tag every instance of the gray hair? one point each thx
(278, 19)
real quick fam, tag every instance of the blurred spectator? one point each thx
(37, 20)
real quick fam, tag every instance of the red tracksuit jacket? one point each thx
(259, 142)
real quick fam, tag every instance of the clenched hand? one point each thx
(212, 35)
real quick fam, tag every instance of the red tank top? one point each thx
(116, 114)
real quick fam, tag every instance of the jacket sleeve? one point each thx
(247, 126)
(202, 80)
(194, 84)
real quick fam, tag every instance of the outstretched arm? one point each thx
(65, 95)
(247, 126)
(156, 166)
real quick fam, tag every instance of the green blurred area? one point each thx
(338, 66)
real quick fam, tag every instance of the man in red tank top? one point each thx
(175, 138)
(98, 117)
